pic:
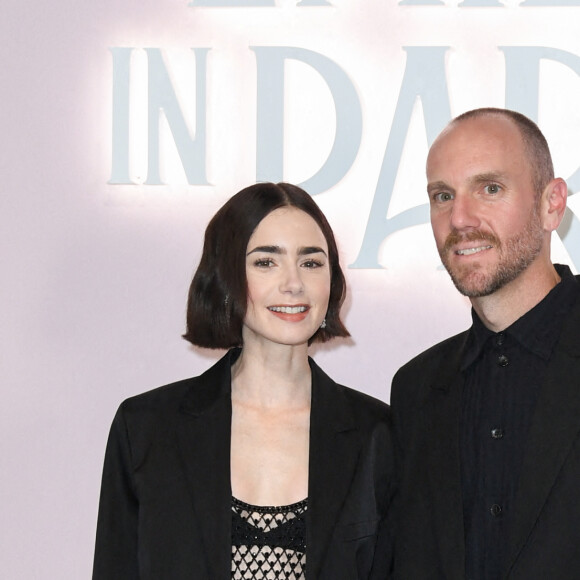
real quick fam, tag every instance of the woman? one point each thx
(262, 467)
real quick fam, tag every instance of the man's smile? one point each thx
(469, 251)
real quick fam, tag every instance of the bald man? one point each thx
(487, 423)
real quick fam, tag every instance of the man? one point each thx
(487, 423)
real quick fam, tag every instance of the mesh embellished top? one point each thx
(268, 542)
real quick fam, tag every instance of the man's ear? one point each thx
(554, 203)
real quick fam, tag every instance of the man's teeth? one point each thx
(288, 309)
(469, 251)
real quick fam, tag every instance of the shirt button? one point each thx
(502, 360)
(495, 510)
(497, 433)
(499, 338)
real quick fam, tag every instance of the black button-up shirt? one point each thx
(503, 373)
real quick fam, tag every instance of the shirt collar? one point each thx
(538, 329)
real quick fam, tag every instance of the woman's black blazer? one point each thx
(165, 506)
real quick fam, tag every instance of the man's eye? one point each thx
(443, 196)
(492, 188)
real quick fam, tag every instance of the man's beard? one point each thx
(515, 255)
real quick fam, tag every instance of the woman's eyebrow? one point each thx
(310, 250)
(267, 249)
(304, 251)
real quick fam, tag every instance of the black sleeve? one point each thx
(116, 543)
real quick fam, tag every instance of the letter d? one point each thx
(270, 116)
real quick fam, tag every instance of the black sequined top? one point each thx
(268, 542)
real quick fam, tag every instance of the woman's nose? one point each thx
(292, 280)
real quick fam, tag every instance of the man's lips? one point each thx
(470, 251)
(470, 243)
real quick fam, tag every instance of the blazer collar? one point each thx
(547, 447)
(204, 435)
(450, 366)
(209, 389)
(552, 433)
(334, 450)
(441, 412)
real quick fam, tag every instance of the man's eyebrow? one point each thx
(486, 177)
(438, 185)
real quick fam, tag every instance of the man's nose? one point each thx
(464, 213)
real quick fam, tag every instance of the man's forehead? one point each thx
(480, 137)
(485, 127)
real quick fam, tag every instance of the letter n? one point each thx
(161, 98)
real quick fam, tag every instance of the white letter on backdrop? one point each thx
(270, 120)
(192, 151)
(522, 88)
(424, 79)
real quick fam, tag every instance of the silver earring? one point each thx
(323, 325)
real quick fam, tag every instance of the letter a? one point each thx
(424, 79)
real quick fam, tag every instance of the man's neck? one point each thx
(502, 308)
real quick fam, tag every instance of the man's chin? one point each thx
(473, 284)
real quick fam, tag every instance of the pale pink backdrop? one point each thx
(94, 276)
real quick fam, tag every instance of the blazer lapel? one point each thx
(334, 449)
(442, 413)
(204, 435)
(553, 431)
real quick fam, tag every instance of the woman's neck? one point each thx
(272, 376)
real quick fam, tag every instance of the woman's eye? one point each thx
(264, 263)
(312, 264)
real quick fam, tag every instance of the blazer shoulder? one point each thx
(366, 408)
(421, 369)
(194, 393)
(366, 403)
(433, 356)
(159, 399)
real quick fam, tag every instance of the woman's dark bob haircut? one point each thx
(218, 295)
